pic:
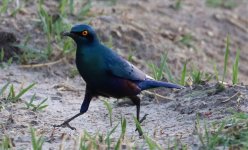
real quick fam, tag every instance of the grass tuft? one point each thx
(6, 143)
(231, 133)
(4, 6)
(12, 95)
(159, 71)
(152, 144)
(37, 141)
(200, 77)
(34, 107)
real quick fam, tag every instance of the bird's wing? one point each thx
(120, 67)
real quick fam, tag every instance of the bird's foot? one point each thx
(143, 118)
(64, 125)
(140, 121)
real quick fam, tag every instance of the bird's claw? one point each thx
(140, 121)
(143, 118)
(64, 125)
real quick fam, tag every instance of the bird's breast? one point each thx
(91, 68)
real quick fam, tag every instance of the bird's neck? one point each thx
(86, 55)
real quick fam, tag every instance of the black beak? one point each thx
(67, 34)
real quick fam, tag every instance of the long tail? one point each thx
(148, 84)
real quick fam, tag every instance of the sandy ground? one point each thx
(167, 119)
(145, 29)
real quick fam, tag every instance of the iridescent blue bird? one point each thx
(106, 73)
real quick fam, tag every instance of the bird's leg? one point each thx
(84, 107)
(136, 101)
(66, 122)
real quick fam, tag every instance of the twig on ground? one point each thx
(158, 95)
(43, 64)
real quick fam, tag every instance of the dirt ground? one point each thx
(146, 29)
(167, 119)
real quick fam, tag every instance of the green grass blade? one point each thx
(40, 104)
(137, 123)
(117, 146)
(236, 68)
(4, 7)
(85, 9)
(216, 72)
(4, 88)
(22, 92)
(33, 139)
(37, 142)
(1, 55)
(41, 107)
(161, 67)
(152, 144)
(109, 111)
(183, 76)
(123, 127)
(71, 4)
(226, 57)
(158, 71)
(30, 103)
(167, 69)
(113, 130)
(6, 143)
(11, 94)
(109, 134)
(178, 4)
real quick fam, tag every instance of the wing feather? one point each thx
(122, 68)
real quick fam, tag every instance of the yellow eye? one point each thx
(85, 33)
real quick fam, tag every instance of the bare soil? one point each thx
(146, 29)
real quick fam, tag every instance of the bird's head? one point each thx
(82, 34)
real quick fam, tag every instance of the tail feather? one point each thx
(148, 84)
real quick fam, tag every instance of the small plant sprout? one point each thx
(31, 105)
(123, 127)
(178, 4)
(123, 132)
(109, 111)
(108, 140)
(53, 27)
(187, 40)
(152, 144)
(183, 76)
(200, 77)
(37, 141)
(88, 141)
(12, 95)
(216, 73)
(158, 71)
(6, 143)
